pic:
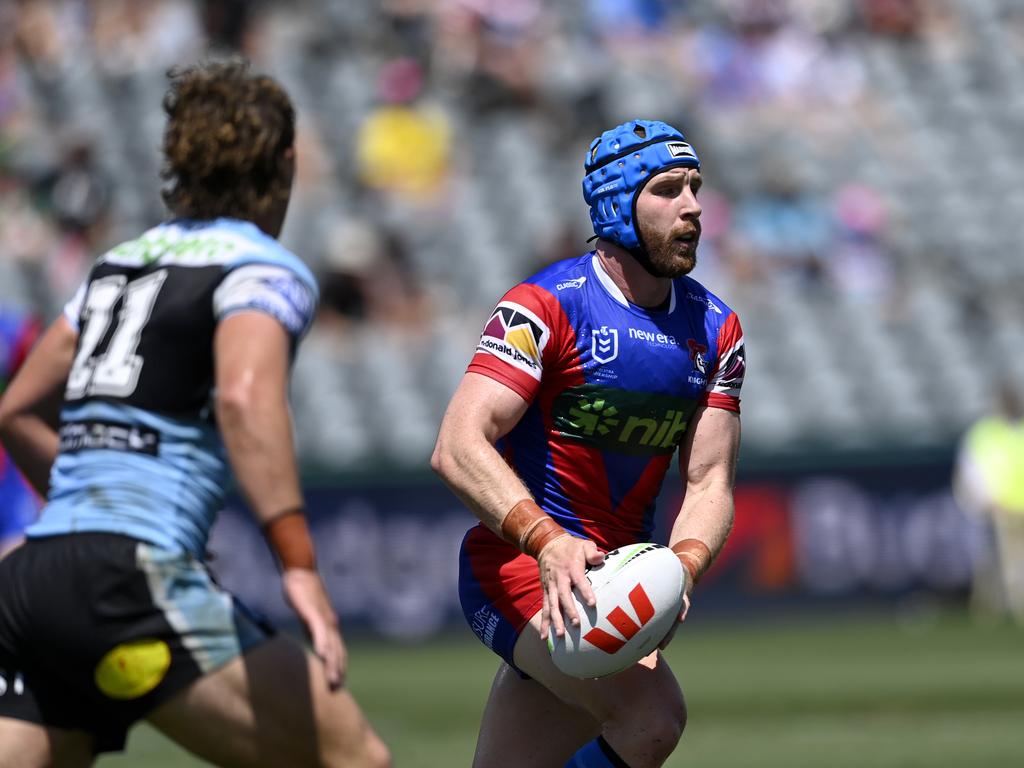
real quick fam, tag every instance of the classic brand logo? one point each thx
(605, 345)
(637, 423)
(574, 283)
(704, 300)
(623, 622)
(516, 335)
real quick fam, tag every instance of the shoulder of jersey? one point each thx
(260, 248)
(563, 278)
(225, 243)
(693, 293)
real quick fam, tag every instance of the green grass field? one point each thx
(836, 694)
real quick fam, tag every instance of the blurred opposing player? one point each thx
(587, 378)
(173, 361)
(18, 502)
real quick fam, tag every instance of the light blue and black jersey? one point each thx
(139, 452)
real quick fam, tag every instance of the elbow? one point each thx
(442, 460)
(233, 403)
(8, 417)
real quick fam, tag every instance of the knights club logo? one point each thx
(605, 347)
(697, 355)
(623, 622)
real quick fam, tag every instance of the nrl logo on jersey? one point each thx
(605, 344)
(517, 336)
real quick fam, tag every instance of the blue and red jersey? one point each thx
(18, 502)
(611, 388)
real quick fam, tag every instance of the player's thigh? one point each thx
(527, 726)
(271, 707)
(646, 693)
(27, 745)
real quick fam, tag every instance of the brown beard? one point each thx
(668, 257)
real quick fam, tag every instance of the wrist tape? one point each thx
(530, 528)
(287, 533)
(694, 555)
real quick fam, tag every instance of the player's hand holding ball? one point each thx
(641, 593)
(563, 565)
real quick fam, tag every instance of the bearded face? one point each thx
(668, 221)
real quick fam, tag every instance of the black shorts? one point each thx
(98, 629)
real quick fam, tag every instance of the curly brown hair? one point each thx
(227, 130)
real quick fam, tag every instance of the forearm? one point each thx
(475, 472)
(31, 443)
(30, 407)
(706, 516)
(258, 436)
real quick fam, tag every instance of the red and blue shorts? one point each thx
(499, 588)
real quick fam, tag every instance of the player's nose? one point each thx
(689, 207)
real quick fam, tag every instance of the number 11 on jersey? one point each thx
(113, 370)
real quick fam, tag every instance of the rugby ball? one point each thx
(639, 591)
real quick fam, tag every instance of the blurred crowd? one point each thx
(863, 201)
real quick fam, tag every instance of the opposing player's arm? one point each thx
(708, 465)
(252, 352)
(30, 408)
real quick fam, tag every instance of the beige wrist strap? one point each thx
(695, 556)
(530, 528)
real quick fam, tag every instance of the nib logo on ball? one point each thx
(622, 622)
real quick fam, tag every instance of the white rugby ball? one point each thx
(639, 591)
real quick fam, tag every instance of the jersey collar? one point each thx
(616, 293)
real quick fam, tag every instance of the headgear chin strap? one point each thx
(618, 164)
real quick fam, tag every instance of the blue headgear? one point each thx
(618, 164)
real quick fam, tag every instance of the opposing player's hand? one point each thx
(563, 564)
(305, 592)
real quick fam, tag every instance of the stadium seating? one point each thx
(868, 232)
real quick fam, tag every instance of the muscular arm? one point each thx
(481, 411)
(30, 408)
(251, 353)
(708, 464)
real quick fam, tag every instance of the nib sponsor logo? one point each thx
(596, 417)
(622, 421)
(623, 622)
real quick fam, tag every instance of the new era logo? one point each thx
(623, 622)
